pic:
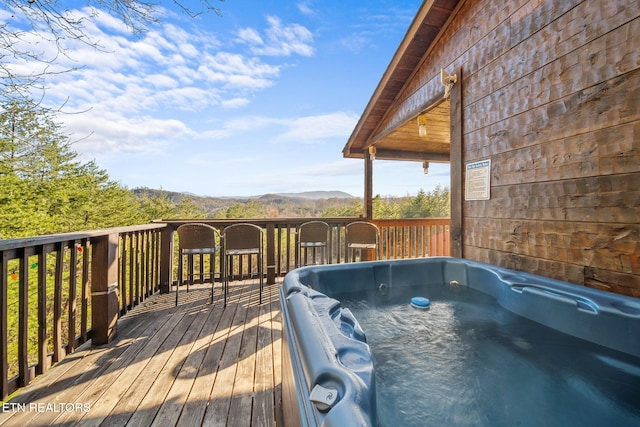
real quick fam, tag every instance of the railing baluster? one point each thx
(73, 281)
(270, 253)
(4, 321)
(85, 291)
(147, 269)
(57, 304)
(278, 250)
(423, 238)
(124, 303)
(42, 312)
(139, 287)
(290, 230)
(133, 295)
(23, 316)
(155, 257)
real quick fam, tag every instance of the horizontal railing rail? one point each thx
(50, 296)
(58, 291)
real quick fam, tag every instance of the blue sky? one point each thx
(259, 100)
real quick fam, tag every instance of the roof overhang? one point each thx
(400, 139)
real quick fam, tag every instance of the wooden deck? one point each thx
(195, 364)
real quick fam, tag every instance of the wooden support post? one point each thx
(104, 292)
(368, 186)
(271, 254)
(166, 259)
(456, 230)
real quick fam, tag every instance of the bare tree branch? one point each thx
(55, 23)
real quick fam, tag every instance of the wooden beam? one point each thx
(456, 231)
(386, 154)
(368, 186)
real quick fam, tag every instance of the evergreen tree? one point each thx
(386, 208)
(426, 205)
(157, 205)
(250, 209)
(354, 209)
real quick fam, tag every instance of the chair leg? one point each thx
(190, 266)
(180, 273)
(261, 273)
(225, 278)
(212, 273)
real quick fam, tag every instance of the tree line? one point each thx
(432, 204)
(46, 189)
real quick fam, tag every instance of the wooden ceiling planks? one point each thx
(405, 139)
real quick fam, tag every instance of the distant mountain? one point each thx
(318, 195)
(311, 195)
(304, 204)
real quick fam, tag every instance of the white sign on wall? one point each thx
(477, 181)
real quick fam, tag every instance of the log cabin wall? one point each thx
(551, 94)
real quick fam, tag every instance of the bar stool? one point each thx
(239, 240)
(197, 239)
(312, 236)
(361, 235)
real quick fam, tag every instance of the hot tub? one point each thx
(328, 363)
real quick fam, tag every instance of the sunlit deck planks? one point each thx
(195, 364)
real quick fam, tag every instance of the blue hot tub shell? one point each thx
(328, 375)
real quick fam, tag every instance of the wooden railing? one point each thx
(55, 292)
(58, 291)
(413, 238)
(399, 238)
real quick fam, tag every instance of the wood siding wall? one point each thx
(551, 94)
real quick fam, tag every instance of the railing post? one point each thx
(166, 259)
(104, 288)
(271, 253)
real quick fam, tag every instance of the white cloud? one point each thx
(313, 129)
(234, 103)
(165, 62)
(237, 71)
(250, 36)
(115, 133)
(100, 20)
(279, 39)
(300, 130)
(317, 176)
(305, 8)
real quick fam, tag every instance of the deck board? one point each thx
(195, 364)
